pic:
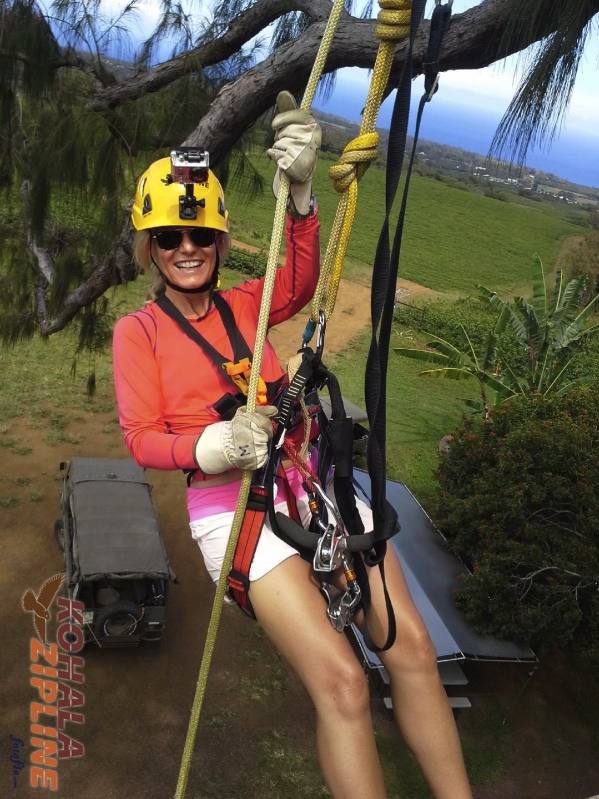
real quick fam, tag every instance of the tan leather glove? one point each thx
(295, 150)
(241, 443)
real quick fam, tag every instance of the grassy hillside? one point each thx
(453, 238)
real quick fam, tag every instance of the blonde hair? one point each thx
(141, 256)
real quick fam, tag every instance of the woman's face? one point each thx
(186, 256)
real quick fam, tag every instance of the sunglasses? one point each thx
(171, 239)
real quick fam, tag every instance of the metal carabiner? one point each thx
(322, 328)
(341, 605)
(329, 550)
(330, 506)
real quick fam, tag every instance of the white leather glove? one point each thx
(241, 443)
(295, 150)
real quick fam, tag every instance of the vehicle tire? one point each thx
(59, 533)
(119, 618)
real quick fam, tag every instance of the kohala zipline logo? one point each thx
(49, 741)
(39, 605)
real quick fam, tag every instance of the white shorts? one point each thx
(212, 534)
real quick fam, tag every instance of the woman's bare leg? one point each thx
(290, 609)
(420, 704)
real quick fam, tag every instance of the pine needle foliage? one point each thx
(66, 171)
(549, 69)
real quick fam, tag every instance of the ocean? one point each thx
(572, 155)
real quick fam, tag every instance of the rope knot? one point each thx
(354, 161)
(394, 20)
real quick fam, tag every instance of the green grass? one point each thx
(453, 239)
(6, 501)
(419, 411)
(285, 772)
(40, 382)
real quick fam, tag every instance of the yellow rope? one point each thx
(269, 281)
(393, 27)
(394, 21)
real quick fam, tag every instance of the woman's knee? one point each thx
(413, 650)
(342, 690)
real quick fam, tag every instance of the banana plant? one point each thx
(546, 330)
(461, 364)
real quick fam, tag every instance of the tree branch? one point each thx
(472, 41)
(118, 267)
(44, 260)
(241, 30)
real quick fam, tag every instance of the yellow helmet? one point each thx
(156, 202)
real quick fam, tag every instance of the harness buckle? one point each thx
(240, 373)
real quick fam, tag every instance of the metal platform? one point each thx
(432, 573)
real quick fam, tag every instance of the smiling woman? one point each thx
(181, 366)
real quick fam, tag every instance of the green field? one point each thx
(453, 239)
(419, 412)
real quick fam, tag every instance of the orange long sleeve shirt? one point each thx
(165, 384)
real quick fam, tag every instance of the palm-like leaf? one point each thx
(578, 329)
(495, 301)
(545, 331)
(422, 355)
(557, 292)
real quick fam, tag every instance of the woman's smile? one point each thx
(187, 265)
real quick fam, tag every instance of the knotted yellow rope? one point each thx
(393, 27)
(269, 281)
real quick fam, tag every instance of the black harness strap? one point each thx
(238, 343)
(382, 302)
(384, 283)
(228, 404)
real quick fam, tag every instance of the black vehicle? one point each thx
(115, 559)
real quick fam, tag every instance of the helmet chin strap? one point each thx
(208, 286)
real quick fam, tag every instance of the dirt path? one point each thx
(352, 314)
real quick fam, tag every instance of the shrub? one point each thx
(517, 500)
(253, 264)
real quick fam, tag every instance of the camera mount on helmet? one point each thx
(189, 165)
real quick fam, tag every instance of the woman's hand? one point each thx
(295, 150)
(241, 443)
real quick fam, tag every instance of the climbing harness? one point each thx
(335, 531)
